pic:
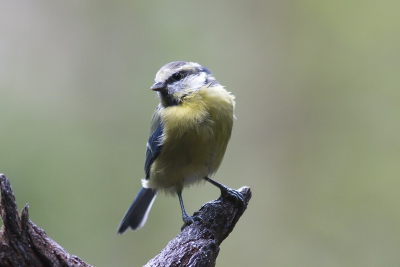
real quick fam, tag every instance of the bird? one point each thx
(189, 134)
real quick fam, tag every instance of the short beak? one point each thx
(158, 87)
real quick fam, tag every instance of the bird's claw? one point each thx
(188, 220)
(236, 197)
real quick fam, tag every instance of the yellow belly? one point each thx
(194, 140)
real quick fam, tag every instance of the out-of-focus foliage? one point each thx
(317, 135)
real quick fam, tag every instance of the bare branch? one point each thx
(22, 243)
(198, 243)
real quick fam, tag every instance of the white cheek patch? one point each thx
(196, 81)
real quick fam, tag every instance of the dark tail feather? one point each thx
(136, 215)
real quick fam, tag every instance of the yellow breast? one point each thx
(195, 137)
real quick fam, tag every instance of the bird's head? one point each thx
(179, 79)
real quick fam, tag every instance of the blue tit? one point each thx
(190, 130)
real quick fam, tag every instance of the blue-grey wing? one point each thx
(154, 147)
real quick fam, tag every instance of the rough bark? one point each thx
(22, 243)
(198, 243)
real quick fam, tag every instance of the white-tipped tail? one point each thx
(136, 216)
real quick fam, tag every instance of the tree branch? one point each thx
(22, 243)
(198, 243)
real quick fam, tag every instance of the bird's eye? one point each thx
(176, 77)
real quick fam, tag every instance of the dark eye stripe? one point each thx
(176, 77)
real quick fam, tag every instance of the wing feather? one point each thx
(154, 144)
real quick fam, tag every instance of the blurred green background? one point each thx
(316, 136)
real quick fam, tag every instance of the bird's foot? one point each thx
(236, 197)
(188, 220)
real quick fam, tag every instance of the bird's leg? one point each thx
(186, 218)
(228, 192)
